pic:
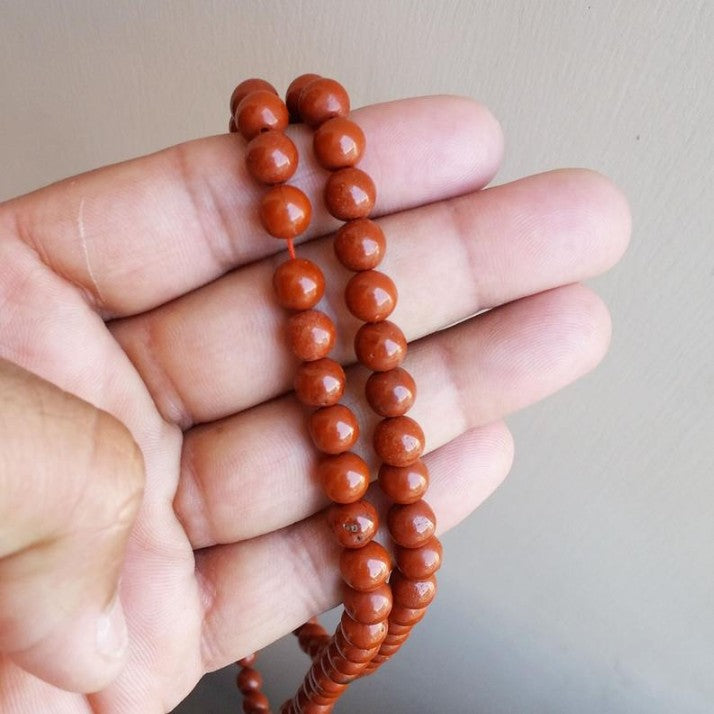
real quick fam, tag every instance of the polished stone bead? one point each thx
(285, 211)
(292, 96)
(358, 655)
(391, 393)
(248, 661)
(360, 244)
(333, 429)
(406, 615)
(321, 100)
(414, 594)
(245, 88)
(319, 383)
(412, 525)
(344, 477)
(311, 334)
(365, 568)
(398, 441)
(255, 703)
(367, 607)
(350, 193)
(338, 143)
(299, 284)
(404, 484)
(380, 346)
(361, 634)
(271, 157)
(259, 111)
(249, 680)
(354, 524)
(421, 562)
(371, 296)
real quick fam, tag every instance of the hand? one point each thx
(143, 290)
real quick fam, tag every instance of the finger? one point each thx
(137, 234)
(71, 484)
(253, 473)
(252, 605)
(203, 358)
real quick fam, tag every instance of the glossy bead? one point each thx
(245, 88)
(333, 429)
(344, 477)
(361, 634)
(311, 335)
(415, 594)
(338, 143)
(380, 346)
(371, 296)
(354, 524)
(255, 703)
(404, 484)
(360, 244)
(395, 629)
(366, 568)
(398, 441)
(367, 607)
(285, 211)
(259, 111)
(271, 157)
(391, 393)
(319, 383)
(292, 96)
(299, 284)
(411, 526)
(417, 563)
(321, 100)
(359, 655)
(248, 661)
(350, 193)
(249, 680)
(406, 615)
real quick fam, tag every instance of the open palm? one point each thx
(145, 289)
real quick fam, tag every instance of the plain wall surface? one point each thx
(586, 583)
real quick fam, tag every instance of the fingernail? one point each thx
(112, 636)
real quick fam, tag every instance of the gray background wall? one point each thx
(586, 583)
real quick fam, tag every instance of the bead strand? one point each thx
(249, 682)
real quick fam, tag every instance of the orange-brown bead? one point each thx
(319, 383)
(299, 284)
(421, 562)
(391, 393)
(338, 143)
(271, 157)
(354, 524)
(415, 594)
(333, 429)
(355, 654)
(411, 525)
(246, 87)
(367, 607)
(367, 568)
(350, 193)
(292, 96)
(380, 346)
(285, 211)
(360, 244)
(248, 661)
(399, 441)
(249, 680)
(311, 335)
(321, 100)
(255, 703)
(404, 484)
(363, 635)
(344, 477)
(371, 296)
(258, 111)
(406, 615)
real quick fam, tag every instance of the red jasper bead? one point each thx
(404, 484)
(299, 284)
(311, 335)
(344, 477)
(421, 562)
(354, 524)
(399, 441)
(367, 607)
(321, 100)
(255, 703)
(371, 296)
(406, 615)
(333, 429)
(338, 143)
(249, 680)
(360, 244)
(319, 383)
(350, 193)
(412, 525)
(361, 634)
(366, 568)
(292, 96)
(415, 594)
(258, 111)
(391, 393)
(271, 157)
(380, 346)
(285, 211)
(245, 88)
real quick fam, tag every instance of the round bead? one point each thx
(362, 635)
(360, 244)
(398, 630)
(255, 703)
(311, 335)
(271, 157)
(404, 484)
(319, 383)
(399, 441)
(245, 88)
(248, 661)
(417, 563)
(333, 429)
(292, 96)
(412, 525)
(232, 128)
(344, 477)
(406, 615)
(249, 680)
(367, 607)
(415, 594)
(359, 655)
(354, 524)
(371, 296)
(350, 193)
(321, 100)
(391, 393)
(380, 346)
(259, 111)
(338, 143)
(299, 284)
(366, 568)
(285, 211)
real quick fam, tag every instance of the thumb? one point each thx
(71, 480)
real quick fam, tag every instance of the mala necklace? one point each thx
(382, 604)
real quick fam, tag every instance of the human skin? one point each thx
(152, 455)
